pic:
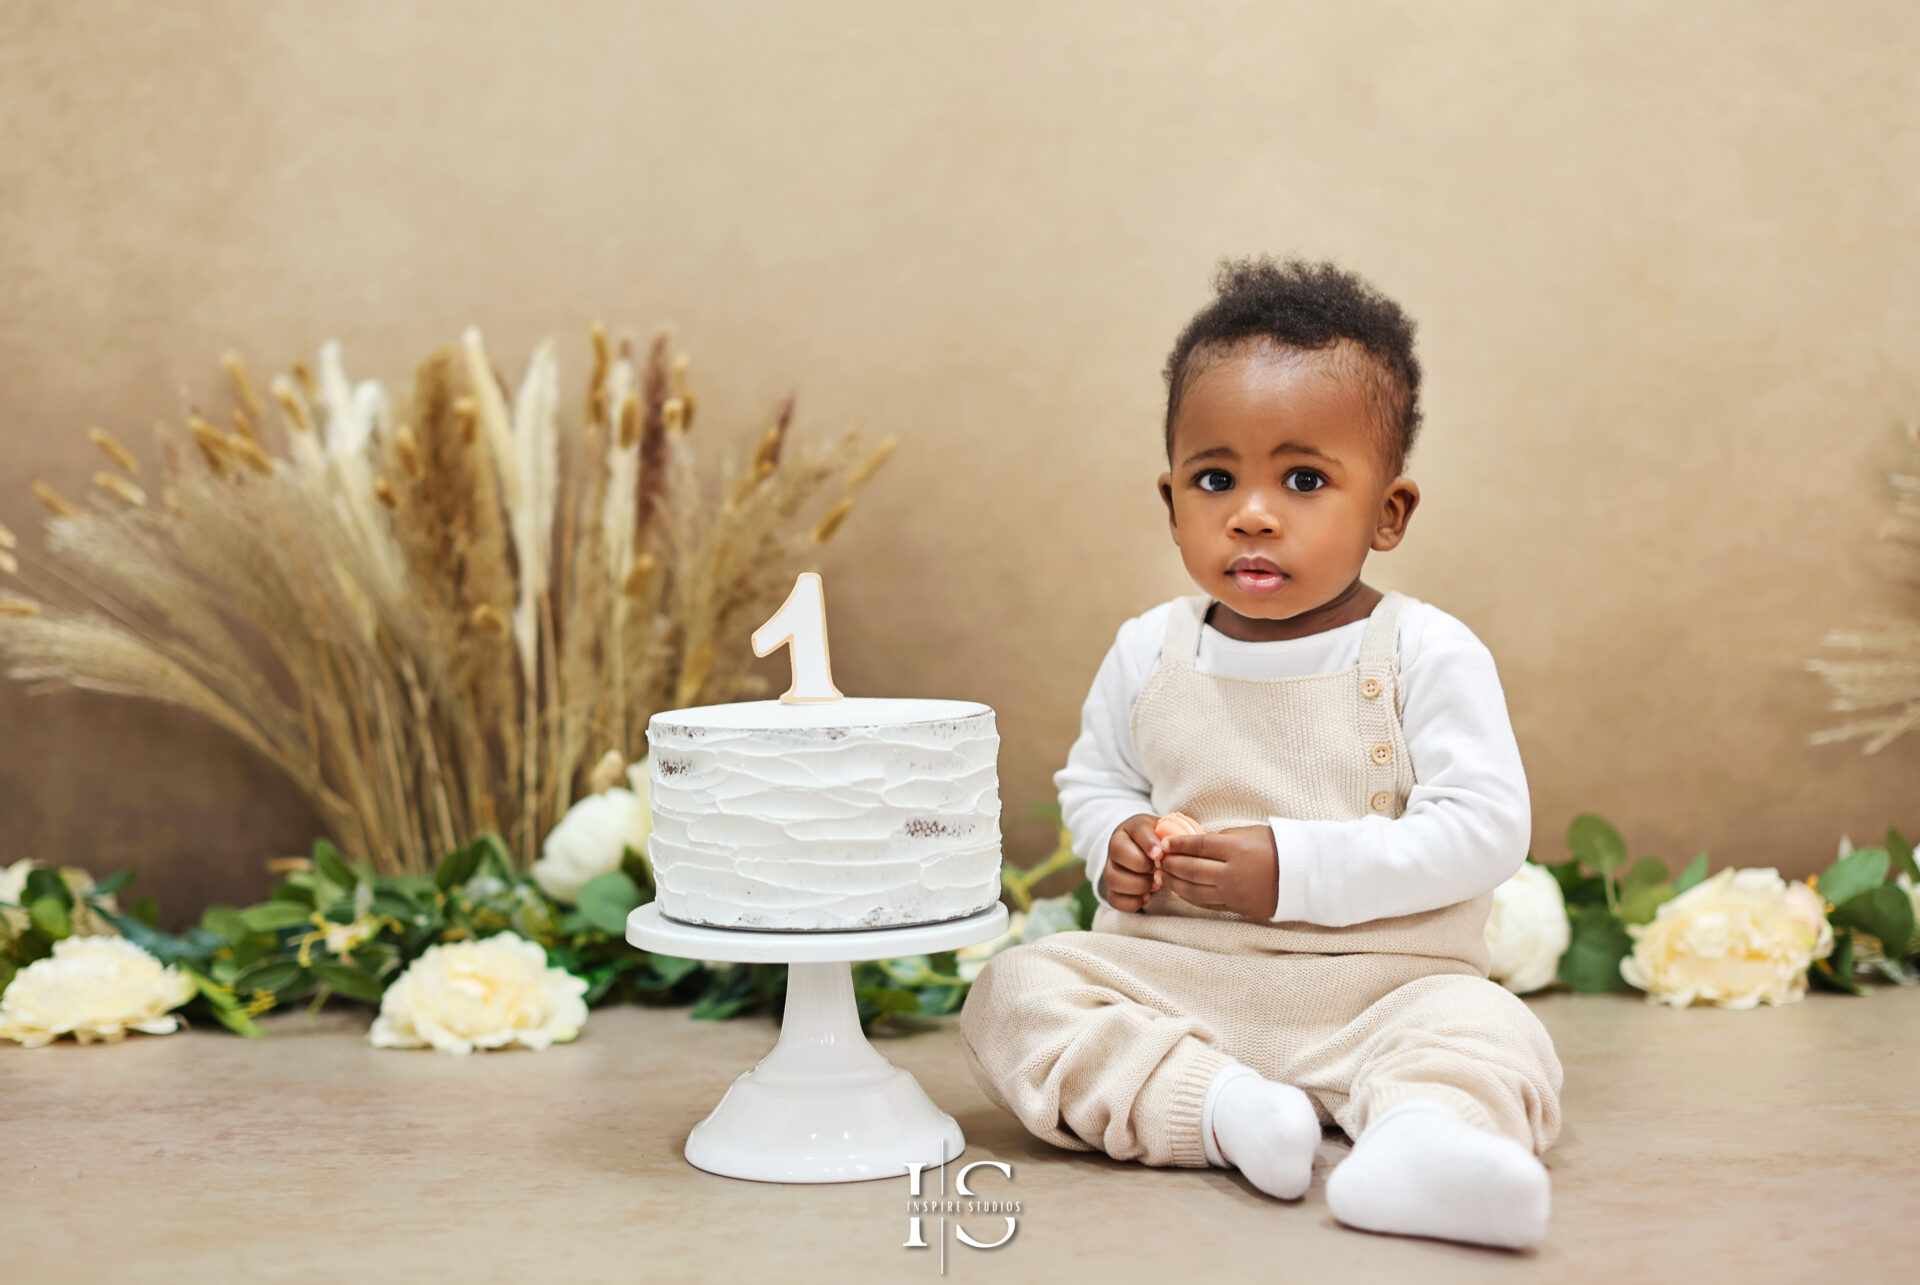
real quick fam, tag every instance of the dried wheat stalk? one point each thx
(436, 617)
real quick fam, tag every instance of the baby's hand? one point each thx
(1129, 877)
(1237, 870)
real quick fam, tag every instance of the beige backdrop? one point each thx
(1661, 257)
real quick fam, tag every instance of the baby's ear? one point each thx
(1166, 495)
(1402, 498)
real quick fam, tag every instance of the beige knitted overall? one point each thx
(1107, 1040)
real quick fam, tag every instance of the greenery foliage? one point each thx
(1605, 892)
(341, 929)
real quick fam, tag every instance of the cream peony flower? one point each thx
(1739, 938)
(464, 995)
(92, 988)
(593, 835)
(1527, 930)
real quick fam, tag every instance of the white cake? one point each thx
(854, 813)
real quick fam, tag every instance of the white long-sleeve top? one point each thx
(1468, 820)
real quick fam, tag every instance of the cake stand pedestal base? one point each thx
(823, 1105)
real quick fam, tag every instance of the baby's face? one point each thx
(1278, 488)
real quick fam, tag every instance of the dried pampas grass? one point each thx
(437, 617)
(1884, 674)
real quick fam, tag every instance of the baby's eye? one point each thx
(1319, 479)
(1225, 479)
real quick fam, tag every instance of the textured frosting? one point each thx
(856, 813)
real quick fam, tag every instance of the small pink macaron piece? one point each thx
(1175, 823)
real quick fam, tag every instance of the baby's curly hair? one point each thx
(1308, 306)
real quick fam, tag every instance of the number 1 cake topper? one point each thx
(801, 626)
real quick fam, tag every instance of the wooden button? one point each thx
(1371, 688)
(1381, 753)
(1381, 800)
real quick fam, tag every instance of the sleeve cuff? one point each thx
(1096, 861)
(1290, 852)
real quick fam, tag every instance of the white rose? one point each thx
(1739, 938)
(1527, 930)
(590, 839)
(463, 995)
(969, 960)
(92, 988)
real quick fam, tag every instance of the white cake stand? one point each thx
(823, 1105)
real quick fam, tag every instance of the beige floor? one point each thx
(1781, 1144)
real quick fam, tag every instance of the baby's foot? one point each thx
(1422, 1170)
(1266, 1130)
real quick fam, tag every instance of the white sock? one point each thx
(1421, 1170)
(1266, 1130)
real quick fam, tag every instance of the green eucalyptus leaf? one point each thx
(224, 971)
(1596, 844)
(1084, 904)
(328, 861)
(1902, 853)
(1897, 971)
(1696, 871)
(42, 882)
(1646, 872)
(376, 958)
(194, 945)
(292, 894)
(1853, 874)
(1644, 903)
(146, 910)
(1885, 911)
(268, 975)
(351, 982)
(111, 884)
(226, 1010)
(1591, 962)
(1577, 889)
(394, 904)
(607, 899)
(225, 923)
(495, 857)
(271, 916)
(671, 968)
(887, 1000)
(49, 915)
(256, 947)
(1835, 972)
(457, 867)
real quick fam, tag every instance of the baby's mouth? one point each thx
(1256, 575)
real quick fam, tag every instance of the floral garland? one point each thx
(481, 954)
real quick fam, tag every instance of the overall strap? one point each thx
(1380, 645)
(1182, 645)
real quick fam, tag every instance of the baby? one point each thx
(1315, 954)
